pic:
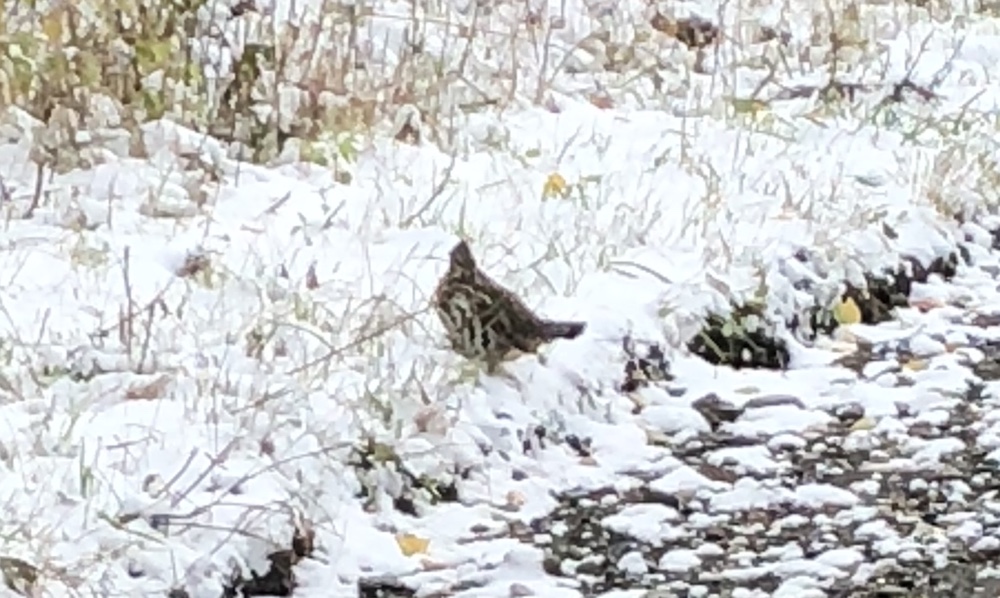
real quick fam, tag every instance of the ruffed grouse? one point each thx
(486, 322)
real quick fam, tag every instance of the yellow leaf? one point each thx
(410, 545)
(915, 365)
(52, 26)
(847, 312)
(865, 423)
(554, 185)
(748, 106)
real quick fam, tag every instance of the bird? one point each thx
(487, 322)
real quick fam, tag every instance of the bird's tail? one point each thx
(570, 330)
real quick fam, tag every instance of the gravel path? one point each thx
(905, 506)
(855, 504)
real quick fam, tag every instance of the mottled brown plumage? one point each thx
(487, 322)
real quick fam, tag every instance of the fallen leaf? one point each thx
(555, 185)
(602, 101)
(410, 544)
(148, 390)
(52, 26)
(847, 311)
(865, 423)
(748, 106)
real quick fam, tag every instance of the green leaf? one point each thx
(346, 148)
(151, 55)
(748, 105)
(153, 104)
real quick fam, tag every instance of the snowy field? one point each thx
(201, 357)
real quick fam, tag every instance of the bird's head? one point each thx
(461, 259)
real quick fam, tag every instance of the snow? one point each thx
(644, 522)
(196, 432)
(752, 460)
(679, 560)
(683, 480)
(816, 495)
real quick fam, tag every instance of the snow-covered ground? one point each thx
(184, 384)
